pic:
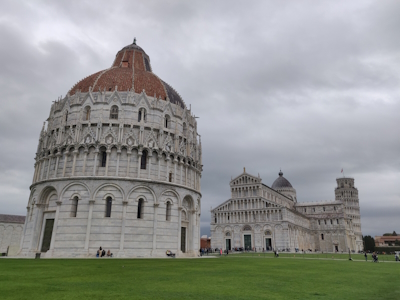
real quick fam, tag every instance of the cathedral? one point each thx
(262, 218)
(118, 166)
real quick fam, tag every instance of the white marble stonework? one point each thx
(121, 149)
(11, 228)
(261, 217)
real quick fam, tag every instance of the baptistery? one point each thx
(118, 166)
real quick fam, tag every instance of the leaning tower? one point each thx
(348, 194)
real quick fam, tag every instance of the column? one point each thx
(53, 235)
(108, 151)
(118, 156)
(139, 163)
(186, 174)
(159, 165)
(75, 153)
(168, 159)
(96, 152)
(175, 174)
(84, 161)
(155, 229)
(193, 224)
(150, 155)
(128, 153)
(121, 242)
(57, 161)
(179, 230)
(181, 170)
(89, 224)
(65, 163)
(48, 167)
(38, 171)
(35, 231)
(42, 167)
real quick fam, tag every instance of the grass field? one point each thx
(231, 277)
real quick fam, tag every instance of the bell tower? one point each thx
(347, 193)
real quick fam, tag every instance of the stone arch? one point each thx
(65, 189)
(188, 201)
(168, 200)
(173, 192)
(46, 193)
(246, 228)
(109, 184)
(141, 194)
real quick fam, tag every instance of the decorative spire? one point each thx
(280, 173)
(134, 40)
(244, 170)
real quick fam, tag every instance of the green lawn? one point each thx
(231, 277)
(382, 258)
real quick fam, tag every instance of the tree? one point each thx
(394, 233)
(369, 243)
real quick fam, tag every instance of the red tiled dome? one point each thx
(130, 69)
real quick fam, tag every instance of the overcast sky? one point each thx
(307, 86)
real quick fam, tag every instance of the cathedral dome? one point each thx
(281, 182)
(130, 71)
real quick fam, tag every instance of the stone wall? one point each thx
(10, 235)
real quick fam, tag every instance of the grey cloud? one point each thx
(307, 87)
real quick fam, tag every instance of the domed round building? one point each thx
(118, 167)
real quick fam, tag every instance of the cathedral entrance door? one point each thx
(228, 244)
(183, 239)
(268, 244)
(247, 242)
(48, 231)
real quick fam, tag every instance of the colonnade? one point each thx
(265, 215)
(175, 170)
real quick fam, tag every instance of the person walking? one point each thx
(365, 255)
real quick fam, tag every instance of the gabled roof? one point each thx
(12, 219)
(248, 175)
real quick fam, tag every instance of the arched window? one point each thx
(114, 112)
(170, 176)
(103, 158)
(142, 115)
(322, 236)
(184, 129)
(143, 160)
(74, 207)
(87, 113)
(108, 207)
(66, 116)
(140, 209)
(168, 212)
(166, 121)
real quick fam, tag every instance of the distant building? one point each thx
(262, 217)
(205, 242)
(383, 241)
(11, 228)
